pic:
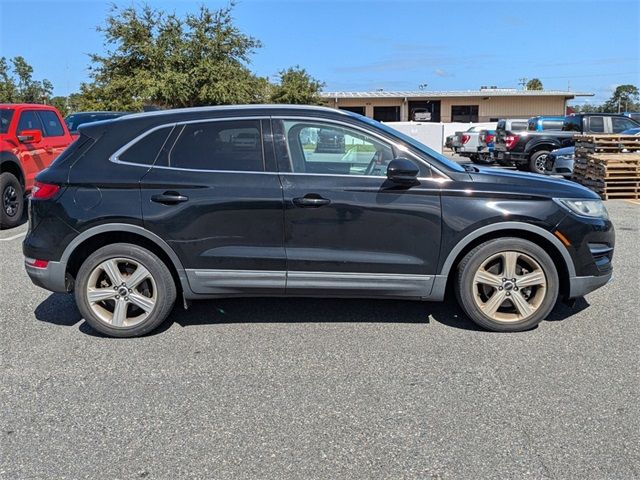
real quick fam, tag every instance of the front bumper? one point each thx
(559, 166)
(580, 286)
(52, 277)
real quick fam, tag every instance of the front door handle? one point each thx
(311, 200)
(169, 198)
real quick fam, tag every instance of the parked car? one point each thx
(485, 147)
(528, 150)
(633, 115)
(560, 161)
(421, 115)
(542, 123)
(154, 206)
(74, 120)
(330, 141)
(31, 136)
(467, 143)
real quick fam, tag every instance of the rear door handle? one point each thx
(169, 198)
(311, 200)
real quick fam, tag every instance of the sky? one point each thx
(586, 46)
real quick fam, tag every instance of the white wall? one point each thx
(434, 134)
(429, 133)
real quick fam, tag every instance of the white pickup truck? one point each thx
(468, 143)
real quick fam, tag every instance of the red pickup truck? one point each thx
(31, 137)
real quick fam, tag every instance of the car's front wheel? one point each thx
(124, 290)
(507, 285)
(12, 200)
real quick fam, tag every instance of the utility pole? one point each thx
(523, 82)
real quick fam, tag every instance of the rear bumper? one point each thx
(52, 277)
(503, 156)
(580, 286)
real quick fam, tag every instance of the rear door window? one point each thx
(51, 124)
(231, 145)
(518, 126)
(596, 124)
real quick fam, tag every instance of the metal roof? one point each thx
(489, 92)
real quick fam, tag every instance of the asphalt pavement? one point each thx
(310, 388)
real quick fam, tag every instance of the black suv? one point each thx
(148, 207)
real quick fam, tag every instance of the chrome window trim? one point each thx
(396, 144)
(115, 157)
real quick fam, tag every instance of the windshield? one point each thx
(5, 120)
(415, 144)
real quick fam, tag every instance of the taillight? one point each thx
(44, 191)
(33, 262)
(510, 141)
(465, 138)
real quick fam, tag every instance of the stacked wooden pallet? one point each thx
(608, 164)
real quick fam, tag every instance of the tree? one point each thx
(534, 84)
(155, 58)
(296, 86)
(17, 83)
(625, 98)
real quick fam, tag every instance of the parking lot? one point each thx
(309, 388)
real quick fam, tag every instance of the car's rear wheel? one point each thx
(124, 290)
(538, 162)
(12, 200)
(507, 285)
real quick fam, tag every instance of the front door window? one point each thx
(330, 149)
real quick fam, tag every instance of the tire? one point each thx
(12, 198)
(481, 276)
(141, 307)
(537, 162)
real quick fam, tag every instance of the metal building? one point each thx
(483, 105)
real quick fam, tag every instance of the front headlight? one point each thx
(585, 208)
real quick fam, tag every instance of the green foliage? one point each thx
(625, 98)
(155, 58)
(18, 86)
(534, 84)
(296, 86)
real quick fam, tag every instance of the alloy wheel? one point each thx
(121, 292)
(10, 200)
(509, 286)
(541, 163)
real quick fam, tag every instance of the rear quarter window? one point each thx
(146, 149)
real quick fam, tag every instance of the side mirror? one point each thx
(30, 136)
(402, 170)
